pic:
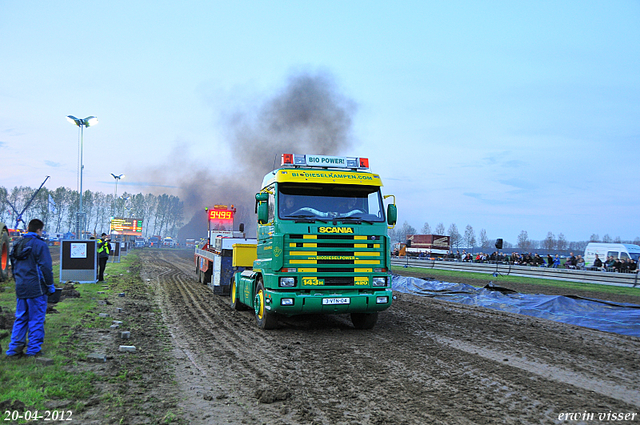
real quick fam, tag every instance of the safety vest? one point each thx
(103, 246)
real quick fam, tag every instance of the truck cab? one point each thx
(322, 244)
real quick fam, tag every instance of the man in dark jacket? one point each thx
(103, 255)
(33, 272)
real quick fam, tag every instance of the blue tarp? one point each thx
(621, 318)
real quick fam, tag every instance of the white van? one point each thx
(605, 250)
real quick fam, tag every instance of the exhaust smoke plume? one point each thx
(308, 115)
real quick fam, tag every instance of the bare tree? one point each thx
(440, 229)
(454, 236)
(561, 243)
(469, 236)
(405, 230)
(484, 240)
(393, 235)
(4, 206)
(549, 242)
(426, 229)
(594, 238)
(606, 238)
(523, 241)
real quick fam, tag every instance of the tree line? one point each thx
(160, 214)
(523, 243)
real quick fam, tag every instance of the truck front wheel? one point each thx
(265, 319)
(364, 320)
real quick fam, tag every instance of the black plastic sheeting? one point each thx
(620, 318)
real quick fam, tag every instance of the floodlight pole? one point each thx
(79, 228)
(82, 123)
(117, 177)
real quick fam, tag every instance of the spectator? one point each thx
(556, 262)
(610, 264)
(597, 263)
(32, 269)
(571, 262)
(580, 263)
(103, 255)
(539, 262)
(549, 260)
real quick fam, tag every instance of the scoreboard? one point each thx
(221, 220)
(221, 214)
(126, 226)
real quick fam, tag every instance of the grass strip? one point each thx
(477, 279)
(45, 387)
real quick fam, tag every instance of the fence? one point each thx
(584, 276)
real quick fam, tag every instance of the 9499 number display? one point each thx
(47, 415)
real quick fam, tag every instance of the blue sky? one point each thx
(506, 116)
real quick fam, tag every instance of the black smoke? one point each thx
(309, 115)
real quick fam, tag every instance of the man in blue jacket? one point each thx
(33, 272)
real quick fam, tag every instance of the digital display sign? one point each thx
(220, 215)
(126, 226)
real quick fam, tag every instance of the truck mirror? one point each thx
(241, 227)
(392, 214)
(263, 212)
(262, 196)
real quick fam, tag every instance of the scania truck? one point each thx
(322, 244)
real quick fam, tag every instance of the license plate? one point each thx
(334, 301)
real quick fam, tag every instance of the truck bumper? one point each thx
(293, 303)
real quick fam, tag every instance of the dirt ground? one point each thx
(425, 362)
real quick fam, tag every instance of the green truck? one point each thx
(322, 244)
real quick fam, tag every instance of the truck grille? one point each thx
(335, 259)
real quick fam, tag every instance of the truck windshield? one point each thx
(330, 202)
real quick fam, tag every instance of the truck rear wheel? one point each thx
(364, 320)
(265, 319)
(235, 304)
(4, 255)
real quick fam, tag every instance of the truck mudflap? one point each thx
(292, 303)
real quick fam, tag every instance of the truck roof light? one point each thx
(325, 161)
(287, 158)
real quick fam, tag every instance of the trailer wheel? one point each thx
(206, 277)
(235, 304)
(198, 271)
(265, 319)
(364, 320)
(4, 255)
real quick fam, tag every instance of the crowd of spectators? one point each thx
(577, 262)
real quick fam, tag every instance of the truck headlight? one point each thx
(286, 301)
(379, 281)
(287, 282)
(382, 300)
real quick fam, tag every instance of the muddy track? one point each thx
(426, 361)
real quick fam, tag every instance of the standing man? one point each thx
(103, 255)
(33, 272)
